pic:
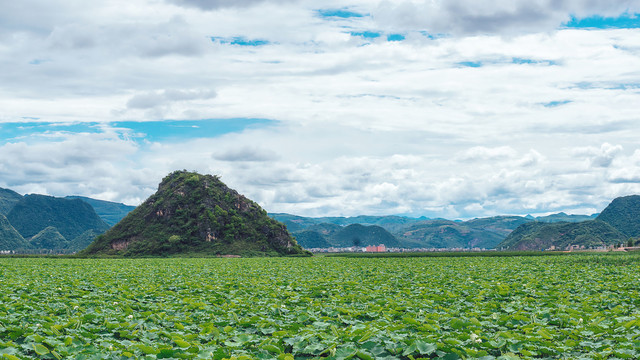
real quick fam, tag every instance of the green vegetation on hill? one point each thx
(562, 217)
(617, 222)
(310, 239)
(331, 235)
(390, 223)
(448, 234)
(416, 232)
(82, 241)
(34, 213)
(110, 212)
(193, 213)
(540, 236)
(49, 238)
(10, 239)
(361, 235)
(8, 198)
(623, 213)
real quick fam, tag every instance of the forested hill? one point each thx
(110, 212)
(34, 213)
(8, 198)
(618, 222)
(623, 213)
(196, 214)
(540, 236)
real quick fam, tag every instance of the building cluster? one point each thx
(374, 248)
(600, 248)
(382, 248)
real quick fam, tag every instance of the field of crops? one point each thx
(570, 307)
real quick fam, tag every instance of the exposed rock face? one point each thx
(193, 213)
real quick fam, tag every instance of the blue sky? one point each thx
(454, 108)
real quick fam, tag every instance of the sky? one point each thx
(439, 108)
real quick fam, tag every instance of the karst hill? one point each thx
(196, 214)
(618, 222)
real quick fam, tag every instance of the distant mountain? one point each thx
(196, 214)
(623, 213)
(615, 224)
(540, 236)
(418, 232)
(8, 198)
(82, 241)
(297, 223)
(562, 217)
(34, 213)
(361, 235)
(310, 239)
(501, 225)
(331, 235)
(110, 212)
(49, 238)
(10, 239)
(450, 234)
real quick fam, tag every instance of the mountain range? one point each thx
(618, 223)
(407, 232)
(46, 224)
(35, 223)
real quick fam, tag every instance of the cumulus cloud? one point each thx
(154, 99)
(498, 17)
(600, 157)
(443, 126)
(486, 153)
(67, 164)
(217, 4)
(251, 154)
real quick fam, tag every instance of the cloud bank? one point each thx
(436, 108)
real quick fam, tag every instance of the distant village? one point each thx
(383, 249)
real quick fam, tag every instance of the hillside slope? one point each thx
(110, 212)
(196, 214)
(448, 234)
(540, 236)
(623, 213)
(8, 198)
(10, 238)
(34, 213)
(49, 238)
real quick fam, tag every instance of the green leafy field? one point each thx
(571, 307)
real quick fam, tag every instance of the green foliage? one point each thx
(365, 235)
(33, 213)
(108, 211)
(310, 239)
(545, 307)
(8, 198)
(418, 233)
(206, 215)
(328, 235)
(49, 238)
(10, 239)
(623, 214)
(540, 236)
(82, 241)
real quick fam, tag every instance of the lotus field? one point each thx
(554, 307)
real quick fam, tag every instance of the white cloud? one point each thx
(506, 17)
(505, 114)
